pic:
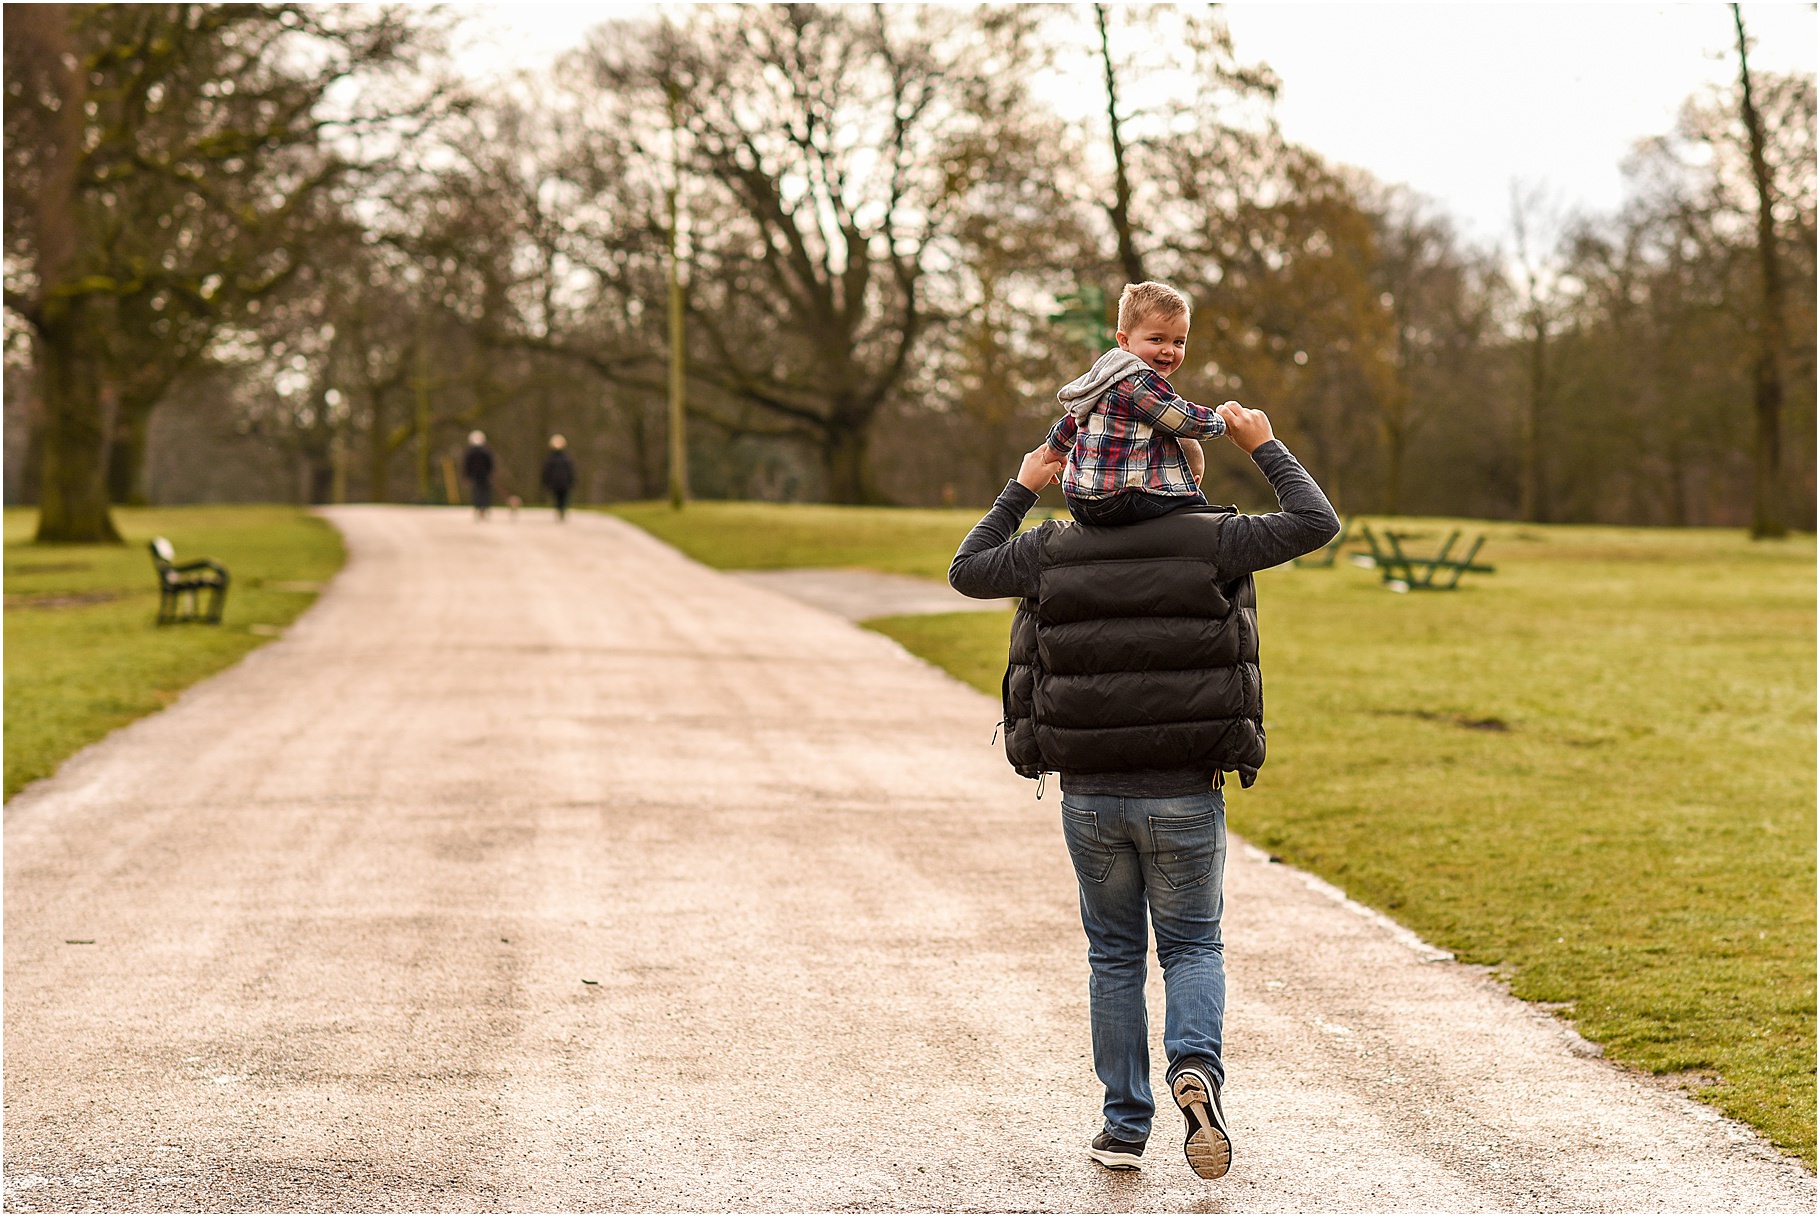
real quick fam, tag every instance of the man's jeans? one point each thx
(1167, 856)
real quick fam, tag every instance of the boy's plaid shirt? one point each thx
(1129, 441)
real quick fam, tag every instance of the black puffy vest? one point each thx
(1135, 654)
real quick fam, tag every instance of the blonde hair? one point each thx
(1141, 301)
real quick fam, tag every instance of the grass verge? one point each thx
(82, 653)
(1593, 771)
(777, 536)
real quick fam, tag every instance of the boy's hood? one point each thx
(1081, 394)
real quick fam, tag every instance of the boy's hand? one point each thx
(1042, 465)
(1249, 429)
(1197, 459)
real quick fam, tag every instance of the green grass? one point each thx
(774, 536)
(82, 653)
(1593, 770)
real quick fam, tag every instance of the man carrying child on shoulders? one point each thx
(1134, 674)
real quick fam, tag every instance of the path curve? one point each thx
(860, 595)
(540, 868)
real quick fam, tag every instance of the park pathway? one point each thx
(539, 868)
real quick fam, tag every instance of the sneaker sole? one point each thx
(1113, 1160)
(1208, 1150)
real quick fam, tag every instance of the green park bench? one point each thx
(1402, 571)
(182, 583)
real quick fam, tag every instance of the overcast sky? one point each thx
(1455, 100)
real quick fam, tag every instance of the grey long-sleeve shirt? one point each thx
(994, 562)
(991, 564)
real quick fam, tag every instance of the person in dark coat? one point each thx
(477, 465)
(559, 474)
(1134, 674)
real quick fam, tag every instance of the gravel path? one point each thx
(539, 868)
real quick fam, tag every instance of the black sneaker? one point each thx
(1116, 1155)
(1209, 1145)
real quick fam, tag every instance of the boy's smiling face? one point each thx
(1161, 342)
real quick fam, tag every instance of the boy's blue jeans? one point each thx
(1161, 862)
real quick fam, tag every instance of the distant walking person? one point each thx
(477, 465)
(559, 474)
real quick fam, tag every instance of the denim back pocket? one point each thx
(1081, 830)
(1186, 847)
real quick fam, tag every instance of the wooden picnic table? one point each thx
(1404, 571)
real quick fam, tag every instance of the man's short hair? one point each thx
(1141, 301)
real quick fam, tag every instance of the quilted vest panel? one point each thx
(1135, 654)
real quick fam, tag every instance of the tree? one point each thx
(166, 166)
(1196, 82)
(1665, 345)
(986, 385)
(820, 156)
(41, 55)
(1280, 259)
(560, 226)
(1537, 229)
(1440, 300)
(1766, 511)
(1118, 206)
(1200, 190)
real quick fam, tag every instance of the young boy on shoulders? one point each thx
(1130, 441)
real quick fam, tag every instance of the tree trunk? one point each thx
(1530, 503)
(339, 457)
(379, 451)
(1767, 523)
(420, 384)
(1766, 509)
(1679, 516)
(77, 422)
(1396, 442)
(844, 459)
(1120, 208)
(315, 477)
(1394, 423)
(72, 492)
(126, 463)
(31, 468)
(650, 480)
